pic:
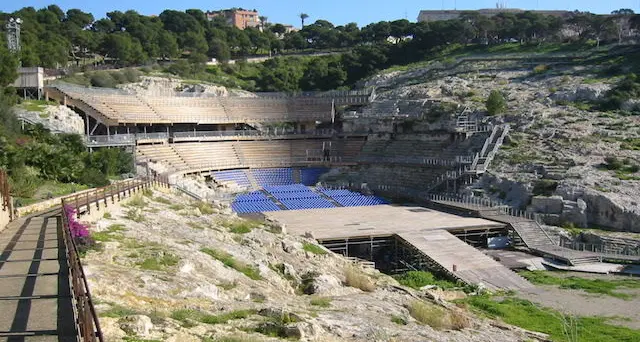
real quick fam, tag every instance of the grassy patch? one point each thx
(276, 326)
(184, 315)
(176, 207)
(117, 311)
(356, 278)
(204, 207)
(137, 201)
(112, 233)
(529, 316)
(428, 314)
(159, 263)
(437, 317)
(135, 215)
(313, 248)
(418, 279)
(229, 261)
(147, 192)
(36, 105)
(137, 339)
(241, 226)
(601, 286)
(399, 320)
(107, 216)
(228, 285)
(195, 225)
(322, 302)
(162, 200)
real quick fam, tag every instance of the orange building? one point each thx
(238, 17)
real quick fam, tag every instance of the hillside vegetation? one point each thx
(43, 165)
(186, 40)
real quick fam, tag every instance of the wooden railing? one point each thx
(86, 318)
(5, 194)
(101, 196)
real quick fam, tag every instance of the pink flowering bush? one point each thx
(79, 232)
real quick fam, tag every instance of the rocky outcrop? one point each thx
(54, 118)
(584, 92)
(181, 275)
(168, 86)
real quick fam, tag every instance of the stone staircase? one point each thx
(532, 234)
(252, 180)
(296, 175)
(489, 150)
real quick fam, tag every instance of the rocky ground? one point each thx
(559, 139)
(170, 269)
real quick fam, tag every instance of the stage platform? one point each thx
(426, 230)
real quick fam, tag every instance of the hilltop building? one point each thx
(238, 17)
(438, 15)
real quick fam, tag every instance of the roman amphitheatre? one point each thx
(475, 197)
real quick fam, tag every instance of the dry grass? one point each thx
(458, 320)
(356, 278)
(428, 314)
(437, 317)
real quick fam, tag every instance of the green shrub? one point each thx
(496, 103)
(544, 187)
(24, 182)
(613, 163)
(102, 79)
(399, 320)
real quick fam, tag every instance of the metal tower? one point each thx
(13, 34)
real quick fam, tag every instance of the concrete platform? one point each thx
(377, 220)
(425, 229)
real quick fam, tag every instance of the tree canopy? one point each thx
(53, 38)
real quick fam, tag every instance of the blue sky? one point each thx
(337, 11)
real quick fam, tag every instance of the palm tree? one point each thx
(303, 16)
(263, 21)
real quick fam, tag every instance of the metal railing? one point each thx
(412, 160)
(602, 248)
(86, 318)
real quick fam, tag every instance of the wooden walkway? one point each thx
(464, 261)
(35, 294)
(532, 234)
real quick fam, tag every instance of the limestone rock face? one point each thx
(325, 283)
(139, 325)
(584, 92)
(547, 205)
(55, 118)
(111, 329)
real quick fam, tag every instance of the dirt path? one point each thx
(580, 303)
